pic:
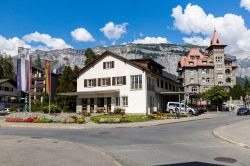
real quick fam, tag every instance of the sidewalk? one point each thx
(92, 125)
(236, 133)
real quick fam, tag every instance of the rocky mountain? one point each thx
(165, 54)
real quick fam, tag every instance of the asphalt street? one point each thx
(188, 143)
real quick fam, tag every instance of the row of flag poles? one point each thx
(24, 76)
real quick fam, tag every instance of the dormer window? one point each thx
(108, 65)
(192, 57)
(191, 63)
(204, 62)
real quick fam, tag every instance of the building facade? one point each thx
(198, 72)
(112, 81)
(9, 96)
(38, 84)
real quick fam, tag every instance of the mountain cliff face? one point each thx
(165, 54)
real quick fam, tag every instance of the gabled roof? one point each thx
(194, 59)
(102, 56)
(108, 53)
(8, 80)
(147, 60)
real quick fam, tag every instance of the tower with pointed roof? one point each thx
(199, 72)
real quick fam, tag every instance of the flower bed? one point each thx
(45, 118)
(117, 118)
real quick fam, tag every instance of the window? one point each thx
(194, 89)
(124, 101)
(228, 80)
(218, 59)
(117, 101)
(204, 62)
(166, 85)
(162, 84)
(227, 71)
(136, 82)
(158, 82)
(220, 75)
(204, 71)
(208, 80)
(191, 80)
(104, 81)
(119, 80)
(89, 82)
(191, 63)
(191, 72)
(108, 65)
(203, 80)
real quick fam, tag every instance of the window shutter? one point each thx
(113, 80)
(85, 83)
(109, 81)
(104, 65)
(99, 81)
(113, 64)
(94, 82)
(124, 80)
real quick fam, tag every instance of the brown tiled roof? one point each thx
(195, 58)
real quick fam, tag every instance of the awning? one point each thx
(88, 93)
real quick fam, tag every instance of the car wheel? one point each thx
(190, 113)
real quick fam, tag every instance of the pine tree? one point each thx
(66, 84)
(90, 56)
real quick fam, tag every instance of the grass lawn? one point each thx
(131, 118)
(122, 119)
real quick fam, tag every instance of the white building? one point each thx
(134, 85)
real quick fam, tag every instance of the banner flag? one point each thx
(23, 69)
(48, 76)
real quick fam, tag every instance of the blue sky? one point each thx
(141, 19)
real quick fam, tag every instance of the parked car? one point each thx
(184, 109)
(243, 111)
(6, 111)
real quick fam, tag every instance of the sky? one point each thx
(79, 24)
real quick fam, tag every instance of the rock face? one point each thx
(165, 54)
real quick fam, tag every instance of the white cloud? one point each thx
(245, 4)
(231, 27)
(114, 32)
(10, 46)
(81, 34)
(151, 40)
(50, 42)
(197, 40)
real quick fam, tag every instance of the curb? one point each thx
(107, 127)
(217, 135)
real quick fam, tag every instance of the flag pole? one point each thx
(30, 82)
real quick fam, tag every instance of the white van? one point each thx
(172, 105)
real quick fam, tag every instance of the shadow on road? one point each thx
(191, 164)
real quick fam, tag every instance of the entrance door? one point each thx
(108, 104)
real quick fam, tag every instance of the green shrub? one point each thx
(118, 110)
(80, 120)
(53, 109)
(40, 120)
(12, 109)
(66, 109)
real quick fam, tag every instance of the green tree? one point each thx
(75, 73)
(66, 84)
(7, 68)
(38, 62)
(247, 86)
(90, 56)
(216, 95)
(236, 92)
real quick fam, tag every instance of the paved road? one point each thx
(189, 143)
